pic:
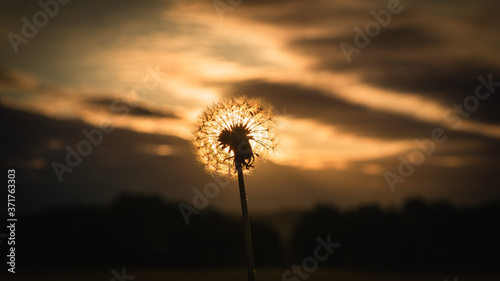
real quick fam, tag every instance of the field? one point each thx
(234, 274)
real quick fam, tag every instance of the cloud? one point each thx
(409, 59)
(393, 41)
(304, 102)
(135, 108)
(16, 80)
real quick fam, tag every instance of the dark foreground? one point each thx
(240, 275)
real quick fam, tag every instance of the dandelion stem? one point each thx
(246, 226)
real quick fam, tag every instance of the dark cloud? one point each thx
(114, 105)
(8, 79)
(305, 102)
(399, 38)
(408, 59)
(449, 83)
(311, 14)
(393, 42)
(16, 80)
(79, 29)
(116, 163)
(101, 12)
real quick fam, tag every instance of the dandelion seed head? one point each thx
(234, 132)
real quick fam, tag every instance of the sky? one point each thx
(361, 89)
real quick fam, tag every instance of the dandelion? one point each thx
(229, 137)
(232, 133)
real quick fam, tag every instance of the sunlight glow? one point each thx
(310, 145)
(252, 115)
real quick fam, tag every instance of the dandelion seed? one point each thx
(231, 133)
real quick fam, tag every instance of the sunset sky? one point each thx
(150, 67)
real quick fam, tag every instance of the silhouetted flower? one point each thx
(231, 133)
